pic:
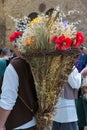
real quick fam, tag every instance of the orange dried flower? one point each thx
(28, 41)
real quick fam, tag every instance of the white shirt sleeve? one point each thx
(9, 88)
(74, 79)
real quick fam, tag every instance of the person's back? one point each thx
(3, 64)
(65, 116)
(19, 83)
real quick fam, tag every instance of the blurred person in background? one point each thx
(6, 54)
(81, 102)
(18, 103)
(65, 117)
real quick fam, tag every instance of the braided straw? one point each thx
(50, 71)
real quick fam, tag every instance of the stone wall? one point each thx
(20, 8)
(2, 24)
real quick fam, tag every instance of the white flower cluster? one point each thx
(22, 24)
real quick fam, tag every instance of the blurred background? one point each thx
(21, 8)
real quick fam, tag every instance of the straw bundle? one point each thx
(50, 71)
(49, 44)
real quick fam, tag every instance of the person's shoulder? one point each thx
(10, 68)
(2, 62)
(15, 59)
(2, 59)
(17, 62)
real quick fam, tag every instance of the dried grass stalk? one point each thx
(50, 74)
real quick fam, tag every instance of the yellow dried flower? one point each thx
(34, 21)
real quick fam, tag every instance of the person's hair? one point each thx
(33, 15)
(5, 51)
(0, 50)
(50, 11)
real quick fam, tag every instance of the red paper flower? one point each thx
(63, 43)
(15, 35)
(79, 39)
(54, 39)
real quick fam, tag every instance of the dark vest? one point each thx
(20, 113)
(69, 93)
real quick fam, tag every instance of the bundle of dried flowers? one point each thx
(50, 45)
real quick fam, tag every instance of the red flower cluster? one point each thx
(79, 39)
(15, 35)
(64, 43)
